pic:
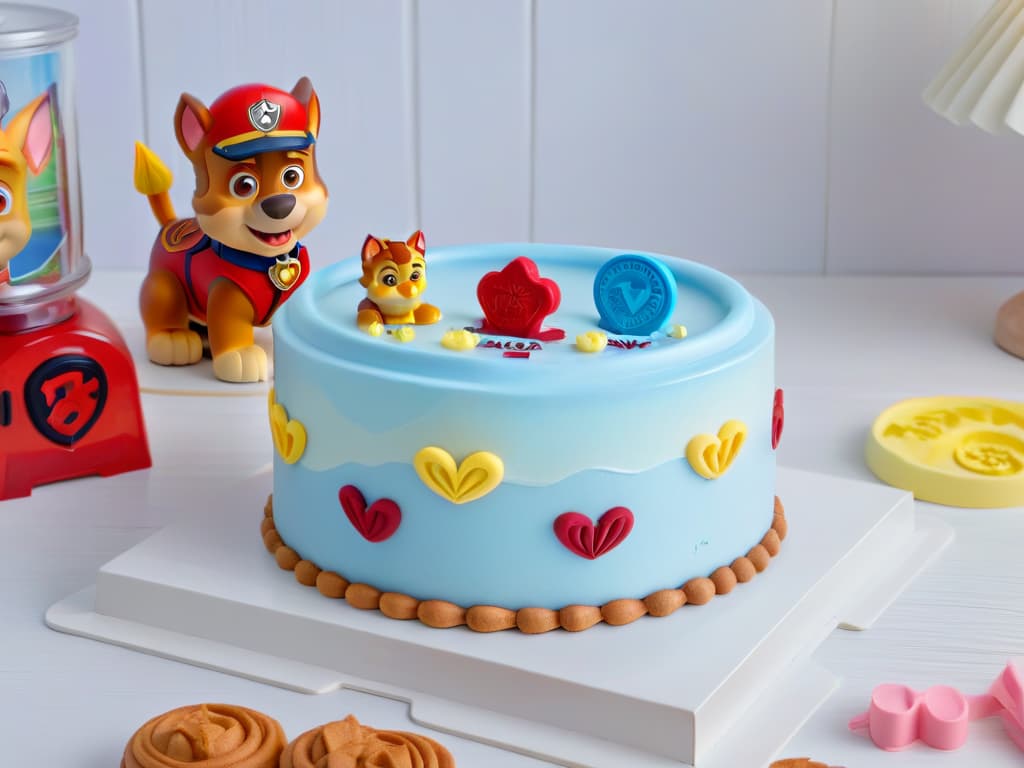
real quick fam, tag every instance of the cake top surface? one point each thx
(722, 323)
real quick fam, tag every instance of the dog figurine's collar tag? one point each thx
(284, 272)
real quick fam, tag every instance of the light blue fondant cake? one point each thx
(445, 474)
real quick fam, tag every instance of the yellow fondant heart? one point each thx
(477, 475)
(710, 455)
(289, 434)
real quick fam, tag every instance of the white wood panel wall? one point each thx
(785, 136)
(690, 128)
(910, 192)
(474, 99)
(359, 56)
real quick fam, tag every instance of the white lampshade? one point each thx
(983, 83)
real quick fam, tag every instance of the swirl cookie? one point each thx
(206, 736)
(347, 742)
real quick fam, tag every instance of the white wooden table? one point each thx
(847, 347)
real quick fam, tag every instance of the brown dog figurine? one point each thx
(257, 193)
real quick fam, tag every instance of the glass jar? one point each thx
(41, 256)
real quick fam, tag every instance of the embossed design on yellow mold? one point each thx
(289, 434)
(960, 451)
(477, 475)
(711, 455)
(990, 453)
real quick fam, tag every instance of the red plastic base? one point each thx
(69, 404)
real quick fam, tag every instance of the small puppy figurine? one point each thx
(26, 145)
(257, 193)
(395, 276)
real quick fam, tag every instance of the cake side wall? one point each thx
(501, 548)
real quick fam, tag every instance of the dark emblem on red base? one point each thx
(65, 396)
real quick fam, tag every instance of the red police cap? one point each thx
(251, 119)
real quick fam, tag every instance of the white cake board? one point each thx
(717, 686)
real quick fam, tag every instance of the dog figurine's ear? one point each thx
(191, 122)
(417, 242)
(304, 94)
(371, 247)
(31, 131)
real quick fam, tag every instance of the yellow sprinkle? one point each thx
(375, 329)
(678, 332)
(460, 340)
(405, 333)
(591, 341)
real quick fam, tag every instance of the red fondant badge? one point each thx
(581, 537)
(516, 300)
(778, 419)
(375, 523)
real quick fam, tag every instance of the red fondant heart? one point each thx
(375, 523)
(516, 300)
(778, 419)
(581, 537)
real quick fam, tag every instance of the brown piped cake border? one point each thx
(441, 614)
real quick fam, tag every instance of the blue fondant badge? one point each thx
(634, 294)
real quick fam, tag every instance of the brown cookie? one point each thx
(206, 736)
(347, 742)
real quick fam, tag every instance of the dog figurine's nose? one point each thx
(278, 206)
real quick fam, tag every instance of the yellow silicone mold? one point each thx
(959, 451)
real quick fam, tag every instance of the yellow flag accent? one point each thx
(152, 177)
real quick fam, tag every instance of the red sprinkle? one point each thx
(517, 355)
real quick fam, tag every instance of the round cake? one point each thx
(456, 473)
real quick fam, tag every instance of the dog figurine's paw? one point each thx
(175, 347)
(367, 318)
(247, 364)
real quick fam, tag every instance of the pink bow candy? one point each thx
(898, 716)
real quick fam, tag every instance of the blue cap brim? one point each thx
(263, 144)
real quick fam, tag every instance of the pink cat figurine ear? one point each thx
(417, 241)
(371, 247)
(31, 131)
(38, 144)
